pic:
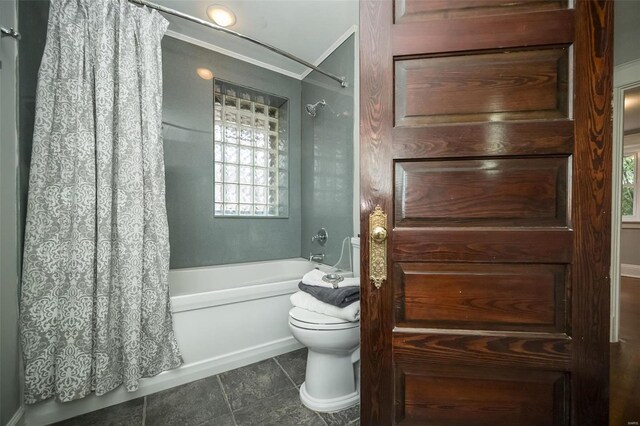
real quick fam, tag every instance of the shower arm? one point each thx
(208, 24)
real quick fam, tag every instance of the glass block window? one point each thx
(250, 153)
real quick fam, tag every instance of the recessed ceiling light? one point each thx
(204, 73)
(221, 15)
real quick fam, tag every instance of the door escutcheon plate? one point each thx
(377, 246)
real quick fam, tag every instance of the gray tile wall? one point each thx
(327, 155)
(197, 238)
(32, 20)
(32, 24)
(9, 356)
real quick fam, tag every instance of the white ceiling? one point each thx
(305, 28)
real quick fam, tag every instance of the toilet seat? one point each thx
(309, 320)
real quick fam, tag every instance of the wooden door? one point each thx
(486, 138)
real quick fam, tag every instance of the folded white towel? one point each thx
(314, 277)
(306, 301)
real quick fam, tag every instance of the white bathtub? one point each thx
(224, 317)
(235, 311)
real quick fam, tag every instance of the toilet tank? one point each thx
(355, 253)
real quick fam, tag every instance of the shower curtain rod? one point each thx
(179, 14)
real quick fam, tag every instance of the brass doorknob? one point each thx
(379, 234)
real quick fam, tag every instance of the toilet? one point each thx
(332, 380)
(332, 376)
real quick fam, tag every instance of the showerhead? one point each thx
(311, 108)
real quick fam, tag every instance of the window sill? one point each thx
(631, 224)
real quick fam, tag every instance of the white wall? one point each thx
(626, 31)
(630, 246)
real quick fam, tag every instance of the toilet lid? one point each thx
(313, 320)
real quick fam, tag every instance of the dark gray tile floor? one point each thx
(260, 394)
(244, 386)
(294, 364)
(190, 404)
(128, 413)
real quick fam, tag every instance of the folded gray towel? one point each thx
(339, 297)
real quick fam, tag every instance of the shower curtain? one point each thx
(95, 309)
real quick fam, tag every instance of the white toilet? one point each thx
(332, 380)
(332, 376)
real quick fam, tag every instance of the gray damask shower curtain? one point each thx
(95, 310)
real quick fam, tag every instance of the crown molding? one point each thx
(227, 52)
(213, 47)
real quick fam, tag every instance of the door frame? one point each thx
(625, 76)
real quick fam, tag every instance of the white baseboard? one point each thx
(627, 270)
(17, 417)
(48, 412)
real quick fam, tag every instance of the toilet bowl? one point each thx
(332, 375)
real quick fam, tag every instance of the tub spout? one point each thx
(317, 257)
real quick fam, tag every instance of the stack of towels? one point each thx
(320, 296)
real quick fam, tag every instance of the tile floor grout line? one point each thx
(322, 418)
(285, 373)
(144, 410)
(296, 386)
(226, 398)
